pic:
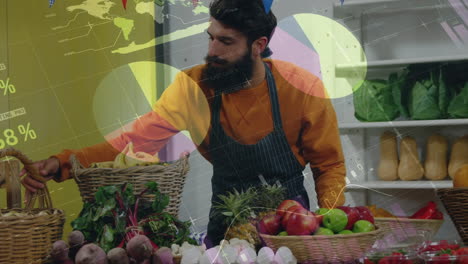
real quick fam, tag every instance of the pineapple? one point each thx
(242, 210)
(235, 208)
(270, 198)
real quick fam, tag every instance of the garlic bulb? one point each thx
(265, 255)
(247, 256)
(285, 256)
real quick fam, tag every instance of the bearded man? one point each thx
(254, 119)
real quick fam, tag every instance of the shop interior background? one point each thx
(82, 69)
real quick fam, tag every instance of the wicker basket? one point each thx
(455, 201)
(29, 238)
(325, 248)
(402, 227)
(170, 179)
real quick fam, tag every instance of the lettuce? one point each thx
(429, 97)
(373, 102)
(458, 107)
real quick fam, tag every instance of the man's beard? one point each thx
(229, 77)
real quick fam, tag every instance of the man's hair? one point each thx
(247, 16)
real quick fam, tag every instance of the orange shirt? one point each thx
(309, 123)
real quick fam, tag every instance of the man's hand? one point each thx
(47, 168)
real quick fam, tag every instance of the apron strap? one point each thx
(275, 107)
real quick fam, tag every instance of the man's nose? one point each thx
(214, 48)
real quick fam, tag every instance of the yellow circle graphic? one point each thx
(325, 48)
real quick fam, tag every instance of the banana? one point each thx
(147, 157)
(128, 158)
(139, 158)
(119, 161)
(105, 164)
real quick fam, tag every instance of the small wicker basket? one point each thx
(27, 234)
(170, 179)
(401, 226)
(323, 248)
(455, 201)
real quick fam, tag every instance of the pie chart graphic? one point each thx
(320, 45)
(129, 92)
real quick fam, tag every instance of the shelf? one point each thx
(408, 123)
(357, 8)
(398, 62)
(400, 185)
(361, 2)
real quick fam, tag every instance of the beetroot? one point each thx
(140, 248)
(118, 256)
(163, 256)
(59, 251)
(91, 254)
(67, 261)
(75, 240)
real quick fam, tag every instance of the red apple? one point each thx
(319, 219)
(301, 223)
(353, 215)
(285, 205)
(285, 219)
(270, 224)
(365, 214)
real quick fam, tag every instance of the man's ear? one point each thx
(259, 45)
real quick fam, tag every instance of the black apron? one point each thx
(238, 166)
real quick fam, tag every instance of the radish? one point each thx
(191, 256)
(140, 248)
(59, 251)
(163, 256)
(91, 254)
(118, 256)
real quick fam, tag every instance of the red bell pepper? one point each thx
(426, 212)
(443, 259)
(462, 254)
(438, 215)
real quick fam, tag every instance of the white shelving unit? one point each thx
(395, 34)
(400, 185)
(398, 62)
(404, 123)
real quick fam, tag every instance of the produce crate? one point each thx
(393, 255)
(27, 234)
(401, 226)
(170, 179)
(322, 248)
(455, 201)
(431, 257)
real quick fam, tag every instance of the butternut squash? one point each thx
(435, 165)
(458, 156)
(388, 165)
(461, 177)
(410, 167)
